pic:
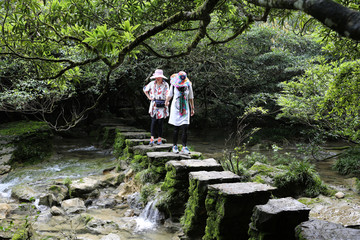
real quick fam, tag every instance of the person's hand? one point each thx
(150, 98)
(166, 103)
(192, 112)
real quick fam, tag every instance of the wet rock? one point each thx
(129, 173)
(6, 150)
(126, 189)
(73, 205)
(172, 226)
(324, 230)
(24, 193)
(129, 213)
(55, 211)
(133, 200)
(47, 200)
(351, 184)
(60, 227)
(122, 165)
(99, 226)
(59, 193)
(84, 187)
(111, 179)
(4, 169)
(346, 213)
(277, 219)
(111, 236)
(4, 210)
(340, 195)
(104, 202)
(5, 159)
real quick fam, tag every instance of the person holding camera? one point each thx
(156, 91)
(183, 98)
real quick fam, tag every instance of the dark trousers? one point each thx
(184, 129)
(159, 123)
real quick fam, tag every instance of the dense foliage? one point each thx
(69, 52)
(326, 98)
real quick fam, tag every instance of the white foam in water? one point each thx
(91, 148)
(41, 208)
(149, 217)
(55, 168)
(5, 188)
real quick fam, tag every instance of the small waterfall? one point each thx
(149, 217)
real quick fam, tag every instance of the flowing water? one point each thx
(77, 158)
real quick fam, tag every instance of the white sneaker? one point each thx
(175, 149)
(185, 150)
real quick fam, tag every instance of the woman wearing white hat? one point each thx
(180, 112)
(156, 92)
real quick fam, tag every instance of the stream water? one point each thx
(77, 158)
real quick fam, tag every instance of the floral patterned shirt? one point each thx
(158, 92)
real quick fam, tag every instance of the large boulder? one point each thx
(73, 205)
(24, 192)
(264, 173)
(4, 210)
(89, 186)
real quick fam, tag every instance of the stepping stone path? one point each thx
(229, 207)
(143, 149)
(213, 203)
(176, 183)
(278, 218)
(194, 220)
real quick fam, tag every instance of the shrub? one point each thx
(301, 179)
(254, 157)
(348, 163)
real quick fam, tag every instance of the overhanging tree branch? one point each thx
(337, 17)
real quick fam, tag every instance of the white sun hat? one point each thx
(158, 73)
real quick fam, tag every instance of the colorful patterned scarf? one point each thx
(181, 82)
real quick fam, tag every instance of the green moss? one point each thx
(55, 188)
(148, 192)
(257, 235)
(32, 143)
(215, 207)
(258, 179)
(119, 144)
(309, 201)
(22, 127)
(170, 181)
(126, 152)
(107, 136)
(20, 234)
(194, 219)
(263, 169)
(147, 176)
(301, 180)
(139, 163)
